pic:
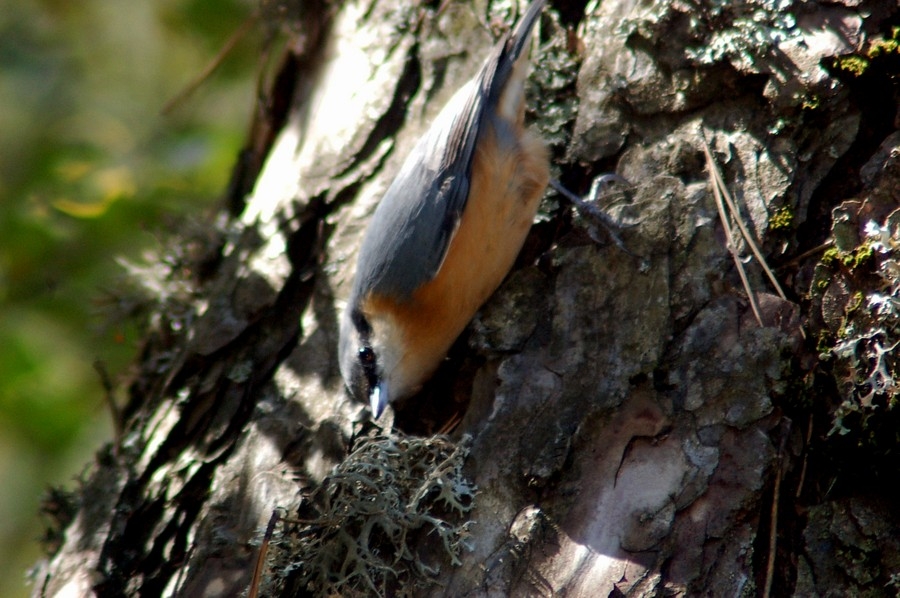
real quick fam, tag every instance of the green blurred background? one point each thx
(89, 171)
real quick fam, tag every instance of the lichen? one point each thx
(866, 363)
(740, 32)
(362, 532)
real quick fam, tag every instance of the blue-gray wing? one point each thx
(408, 236)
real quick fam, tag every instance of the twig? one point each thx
(253, 592)
(716, 181)
(109, 394)
(714, 171)
(802, 480)
(211, 66)
(806, 254)
(450, 424)
(773, 536)
(773, 524)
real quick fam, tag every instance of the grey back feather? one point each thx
(407, 239)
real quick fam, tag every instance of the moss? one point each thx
(853, 260)
(853, 65)
(830, 256)
(856, 65)
(824, 342)
(842, 331)
(811, 103)
(854, 303)
(883, 47)
(858, 257)
(782, 219)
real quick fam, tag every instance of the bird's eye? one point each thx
(366, 356)
(369, 367)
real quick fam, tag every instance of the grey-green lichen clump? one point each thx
(739, 32)
(860, 294)
(355, 534)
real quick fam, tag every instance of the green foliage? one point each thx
(90, 170)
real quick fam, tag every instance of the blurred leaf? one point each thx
(90, 171)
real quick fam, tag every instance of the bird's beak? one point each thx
(378, 399)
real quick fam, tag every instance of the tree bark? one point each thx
(622, 422)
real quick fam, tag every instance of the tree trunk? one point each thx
(621, 422)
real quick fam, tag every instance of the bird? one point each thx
(447, 230)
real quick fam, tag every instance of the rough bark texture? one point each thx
(630, 427)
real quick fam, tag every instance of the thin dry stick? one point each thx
(261, 557)
(737, 218)
(450, 424)
(729, 238)
(806, 254)
(773, 535)
(109, 393)
(800, 482)
(213, 64)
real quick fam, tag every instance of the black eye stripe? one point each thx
(369, 363)
(362, 324)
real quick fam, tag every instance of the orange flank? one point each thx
(506, 189)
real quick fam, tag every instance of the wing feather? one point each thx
(407, 240)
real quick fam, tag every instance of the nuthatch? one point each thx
(447, 231)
